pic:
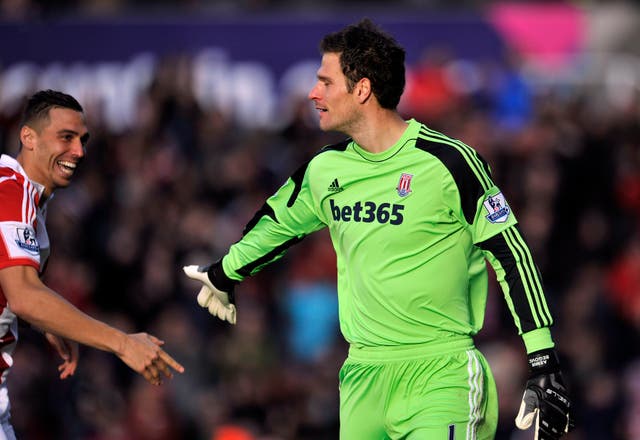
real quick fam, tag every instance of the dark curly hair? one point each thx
(368, 52)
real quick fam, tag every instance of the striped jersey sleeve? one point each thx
(493, 226)
(521, 282)
(18, 214)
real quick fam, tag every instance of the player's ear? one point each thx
(28, 137)
(363, 89)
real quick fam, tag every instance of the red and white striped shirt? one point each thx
(23, 241)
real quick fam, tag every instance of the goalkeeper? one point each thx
(412, 214)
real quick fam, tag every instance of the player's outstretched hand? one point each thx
(545, 403)
(68, 351)
(143, 353)
(218, 302)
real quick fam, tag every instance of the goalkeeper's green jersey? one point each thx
(411, 228)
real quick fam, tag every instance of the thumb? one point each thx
(528, 410)
(193, 272)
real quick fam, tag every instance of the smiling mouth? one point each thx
(68, 168)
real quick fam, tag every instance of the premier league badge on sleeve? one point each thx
(498, 208)
(26, 239)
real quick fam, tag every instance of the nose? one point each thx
(313, 93)
(78, 149)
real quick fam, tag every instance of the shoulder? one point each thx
(462, 161)
(11, 182)
(17, 195)
(322, 157)
(330, 153)
(338, 147)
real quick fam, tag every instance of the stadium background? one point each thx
(198, 112)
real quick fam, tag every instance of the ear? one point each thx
(363, 89)
(28, 137)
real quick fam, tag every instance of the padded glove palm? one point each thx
(220, 303)
(545, 403)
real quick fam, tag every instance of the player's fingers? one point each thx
(205, 295)
(151, 374)
(152, 380)
(217, 309)
(213, 309)
(66, 369)
(171, 362)
(155, 340)
(62, 368)
(65, 374)
(163, 368)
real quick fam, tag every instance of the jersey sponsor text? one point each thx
(368, 212)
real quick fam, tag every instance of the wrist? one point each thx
(543, 362)
(537, 339)
(119, 343)
(219, 279)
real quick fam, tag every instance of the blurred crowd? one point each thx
(179, 186)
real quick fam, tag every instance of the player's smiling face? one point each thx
(57, 147)
(337, 108)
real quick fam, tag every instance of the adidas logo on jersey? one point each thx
(335, 187)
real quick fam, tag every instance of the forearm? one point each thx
(283, 221)
(46, 310)
(520, 280)
(35, 303)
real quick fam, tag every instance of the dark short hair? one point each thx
(368, 52)
(38, 105)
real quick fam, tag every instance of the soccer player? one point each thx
(412, 214)
(53, 138)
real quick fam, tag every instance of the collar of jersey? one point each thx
(12, 163)
(411, 132)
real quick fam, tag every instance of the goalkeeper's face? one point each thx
(337, 106)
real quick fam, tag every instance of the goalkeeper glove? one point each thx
(545, 401)
(219, 302)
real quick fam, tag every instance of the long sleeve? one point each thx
(522, 286)
(284, 220)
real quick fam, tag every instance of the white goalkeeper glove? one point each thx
(545, 403)
(219, 303)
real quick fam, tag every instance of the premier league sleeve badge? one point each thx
(498, 208)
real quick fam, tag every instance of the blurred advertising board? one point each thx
(245, 65)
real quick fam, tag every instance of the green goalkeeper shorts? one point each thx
(412, 394)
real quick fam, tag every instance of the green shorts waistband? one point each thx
(410, 351)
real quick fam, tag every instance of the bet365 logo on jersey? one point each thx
(368, 212)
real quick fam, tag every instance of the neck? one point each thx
(46, 193)
(380, 131)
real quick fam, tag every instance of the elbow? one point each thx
(22, 304)
(23, 291)
(18, 307)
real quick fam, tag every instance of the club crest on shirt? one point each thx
(26, 239)
(404, 185)
(498, 208)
